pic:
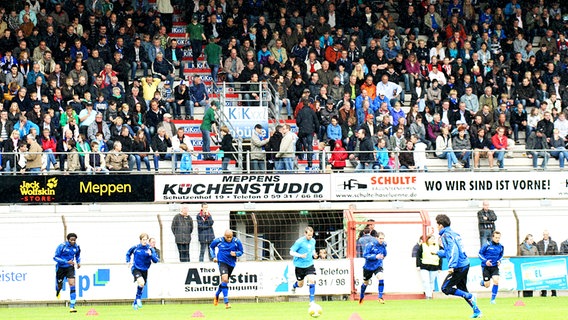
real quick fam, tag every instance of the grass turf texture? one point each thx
(447, 309)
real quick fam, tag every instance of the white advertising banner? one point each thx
(242, 188)
(174, 281)
(243, 119)
(452, 185)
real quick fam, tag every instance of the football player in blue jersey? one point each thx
(491, 254)
(374, 254)
(67, 256)
(142, 255)
(304, 252)
(229, 248)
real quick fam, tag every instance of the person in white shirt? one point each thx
(562, 125)
(393, 91)
(436, 74)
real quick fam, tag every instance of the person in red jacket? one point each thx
(338, 156)
(48, 144)
(499, 141)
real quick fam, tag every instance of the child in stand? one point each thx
(185, 165)
(101, 144)
(73, 163)
(101, 105)
(338, 156)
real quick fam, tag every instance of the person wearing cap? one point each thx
(213, 53)
(537, 146)
(168, 125)
(195, 33)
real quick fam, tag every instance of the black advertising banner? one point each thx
(76, 188)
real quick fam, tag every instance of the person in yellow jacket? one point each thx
(428, 263)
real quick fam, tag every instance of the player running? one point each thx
(304, 252)
(67, 255)
(491, 254)
(144, 255)
(228, 249)
(374, 254)
(452, 249)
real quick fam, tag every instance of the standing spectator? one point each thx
(205, 231)
(227, 148)
(528, 248)
(258, 155)
(273, 147)
(208, 124)
(547, 247)
(428, 263)
(486, 219)
(213, 53)
(182, 228)
(194, 32)
(285, 155)
(308, 124)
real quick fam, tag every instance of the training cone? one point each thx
(198, 314)
(519, 303)
(92, 312)
(355, 316)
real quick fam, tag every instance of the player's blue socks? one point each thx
(312, 292)
(381, 288)
(295, 285)
(463, 294)
(494, 291)
(225, 290)
(363, 288)
(72, 296)
(139, 290)
(219, 290)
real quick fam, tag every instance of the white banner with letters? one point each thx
(174, 281)
(242, 188)
(448, 186)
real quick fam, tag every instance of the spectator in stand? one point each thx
(162, 69)
(285, 155)
(117, 160)
(208, 125)
(537, 146)
(444, 149)
(308, 124)
(138, 58)
(195, 33)
(519, 121)
(528, 248)
(213, 56)
(160, 144)
(558, 147)
(174, 56)
(182, 98)
(198, 93)
(482, 148)
(547, 247)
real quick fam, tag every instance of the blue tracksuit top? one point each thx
(370, 252)
(491, 251)
(225, 248)
(301, 246)
(142, 260)
(66, 252)
(452, 249)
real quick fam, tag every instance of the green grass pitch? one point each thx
(440, 309)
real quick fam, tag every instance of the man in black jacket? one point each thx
(308, 123)
(174, 55)
(365, 155)
(273, 147)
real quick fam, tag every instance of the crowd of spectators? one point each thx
(70, 67)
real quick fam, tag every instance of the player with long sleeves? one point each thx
(67, 256)
(374, 254)
(458, 264)
(229, 249)
(142, 255)
(304, 252)
(491, 254)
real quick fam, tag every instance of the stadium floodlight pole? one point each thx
(255, 231)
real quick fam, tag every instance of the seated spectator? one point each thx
(116, 160)
(162, 69)
(462, 146)
(73, 158)
(537, 148)
(49, 145)
(95, 160)
(558, 148)
(406, 157)
(444, 149)
(198, 94)
(519, 121)
(499, 141)
(382, 160)
(142, 149)
(160, 144)
(482, 148)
